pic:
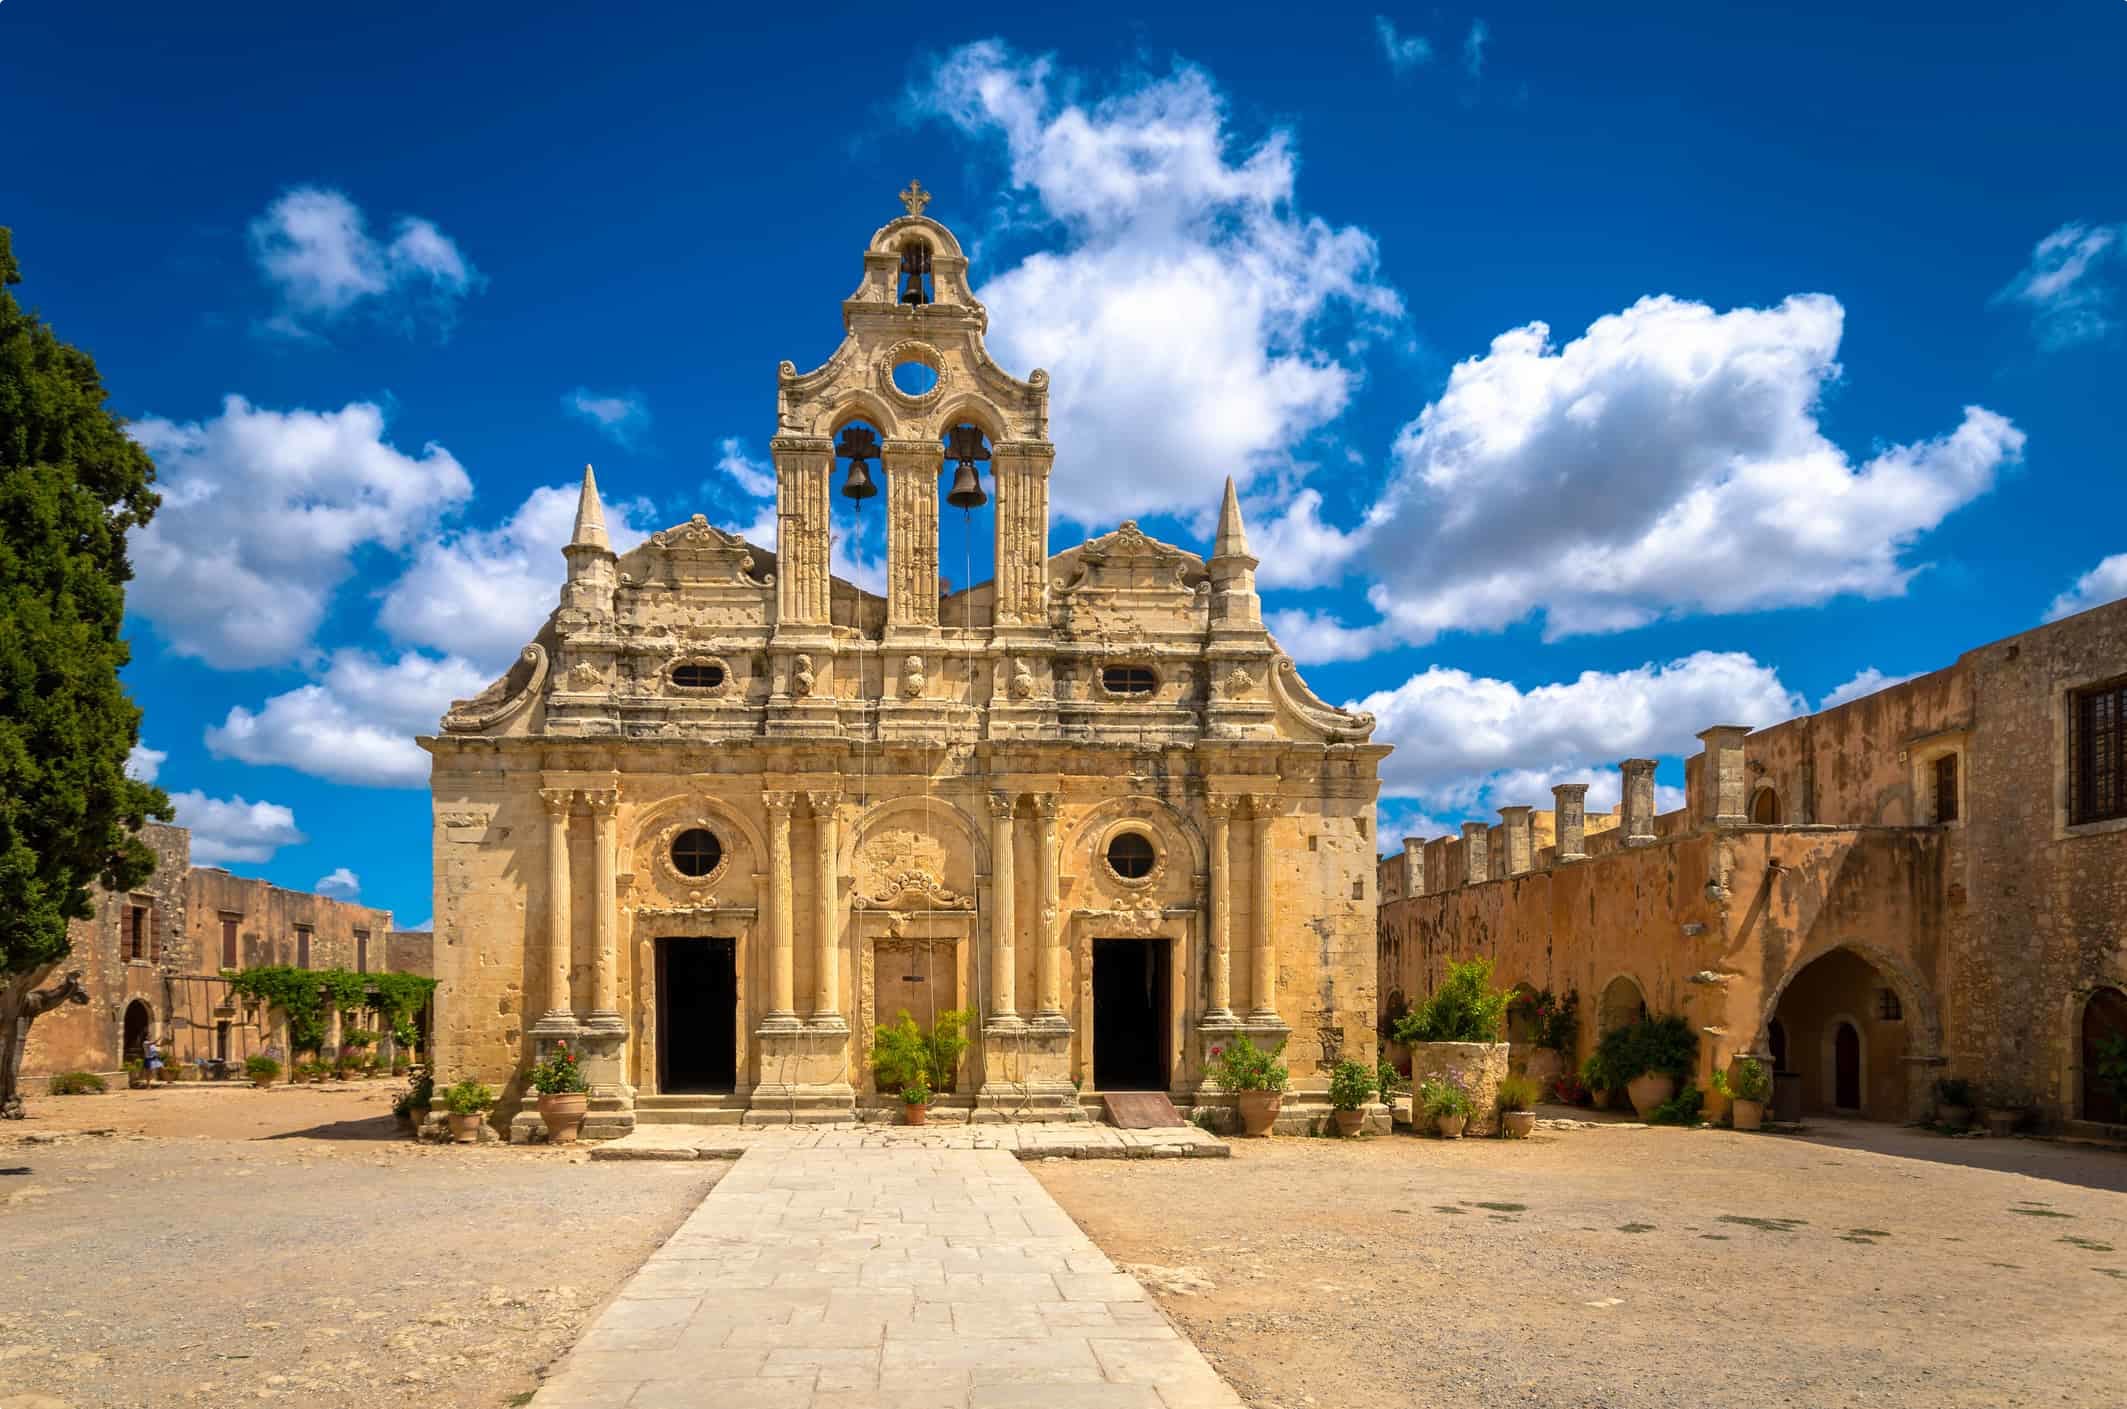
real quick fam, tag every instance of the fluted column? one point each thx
(560, 1016)
(782, 959)
(1263, 979)
(1221, 812)
(605, 962)
(827, 912)
(1050, 938)
(1004, 915)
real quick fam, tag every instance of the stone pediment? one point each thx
(1126, 560)
(697, 551)
(507, 696)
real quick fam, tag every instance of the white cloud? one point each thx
(1404, 52)
(144, 763)
(1193, 319)
(314, 248)
(2107, 582)
(623, 418)
(427, 926)
(1473, 48)
(342, 883)
(1296, 548)
(262, 514)
(1466, 745)
(1667, 461)
(755, 477)
(354, 725)
(2064, 284)
(483, 593)
(1866, 682)
(847, 545)
(231, 829)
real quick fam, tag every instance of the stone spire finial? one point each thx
(1232, 540)
(915, 197)
(590, 517)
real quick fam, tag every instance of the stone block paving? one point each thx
(833, 1277)
(1074, 1140)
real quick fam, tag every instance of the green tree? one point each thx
(71, 486)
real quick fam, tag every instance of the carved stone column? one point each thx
(804, 467)
(1638, 800)
(827, 913)
(1004, 915)
(1050, 934)
(559, 1019)
(1221, 813)
(912, 469)
(1022, 528)
(1263, 976)
(782, 959)
(1571, 802)
(605, 961)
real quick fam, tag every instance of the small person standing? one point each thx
(151, 1058)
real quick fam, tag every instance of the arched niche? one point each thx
(1622, 1004)
(861, 404)
(971, 408)
(1765, 805)
(1899, 1042)
(1184, 853)
(920, 834)
(745, 847)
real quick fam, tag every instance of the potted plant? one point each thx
(136, 1073)
(1351, 1085)
(465, 1102)
(1596, 1077)
(262, 1070)
(563, 1094)
(903, 1053)
(1647, 1057)
(1447, 1106)
(1953, 1103)
(346, 1065)
(2004, 1112)
(411, 1105)
(1747, 1092)
(915, 1100)
(1517, 1106)
(1255, 1077)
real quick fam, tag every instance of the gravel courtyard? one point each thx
(1627, 1268)
(226, 1245)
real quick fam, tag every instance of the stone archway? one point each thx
(138, 1024)
(2104, 1017)
(1882, 1060)
(1623, 1003)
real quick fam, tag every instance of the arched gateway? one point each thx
(729, 813)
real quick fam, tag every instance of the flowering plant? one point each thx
(1247, 1067)
(559, 1075)
(1555, 1019)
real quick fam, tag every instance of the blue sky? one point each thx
(1592, 377)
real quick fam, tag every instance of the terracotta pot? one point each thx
(1517, 1124)
(1349, 1122)
(262, 1082)
(563, 1113)
(1748, 1115)
(465, 1129)
(1648, 1091)
(913, 1114)
(1601, 1097)
(1259, 1110)
(1450, 1126)
(1953, 1117)
(341, 1074)
(2002, 1123)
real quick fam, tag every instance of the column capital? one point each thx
(1264, 806)
(1220, 806)
(824, 802)
(601, 801)
(1047, 805)
(1001, 804)
(557, 801)
(1570, 792)
(779, 804)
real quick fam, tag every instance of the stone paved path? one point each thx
(890, 1279)
(1075, 1140)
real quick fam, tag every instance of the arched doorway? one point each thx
(139, 1018)
(1623, 1004)
(1846, 1026)
(1765, 808)
(2104, 1019)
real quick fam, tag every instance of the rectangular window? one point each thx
(1946, 788)
(2097, 724)
(361, 951)
(302, 946)
(229, 923)
(136, 931)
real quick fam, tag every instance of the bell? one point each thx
(967, 488)
(858, 445)
(915, 264)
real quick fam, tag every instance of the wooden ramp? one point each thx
(1140, 1110)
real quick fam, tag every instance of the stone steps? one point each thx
(691, 1108)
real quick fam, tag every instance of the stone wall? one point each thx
(1477, 1067)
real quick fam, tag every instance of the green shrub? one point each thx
(1388, 1081)
(468, 1098)
(1243, 1066)
(559, 1075)
(77, 1083)
(261, 1068)
(1518, 1093)
(1663, 1046)
(1465, 1009)
(902, 1052)
(916, 1092)
(1595, 1073)
(1752, 1082)
(1684, 1108)
(419, 1095)
(1954, 1091)
(1556, 1019)
(1441, 1096)
(1350, 1085)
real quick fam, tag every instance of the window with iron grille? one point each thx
(137, 931)
(1946, 788)
(302, 946)
(229, 923)
(361, 951)
(2097, 721)
(1888, 1007)
(1129, 680)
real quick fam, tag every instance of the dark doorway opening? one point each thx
(697, 1014)
(1846, 1068)
(136, 1029)
(1776, 1039)
(2104, 1018)
(1130, 981)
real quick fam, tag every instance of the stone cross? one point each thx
(915, 197)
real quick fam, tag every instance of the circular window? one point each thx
(1130, 855)
(914, 378)
(696, 852)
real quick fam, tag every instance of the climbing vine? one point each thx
(310, 996)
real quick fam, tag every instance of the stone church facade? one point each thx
(729, 812)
